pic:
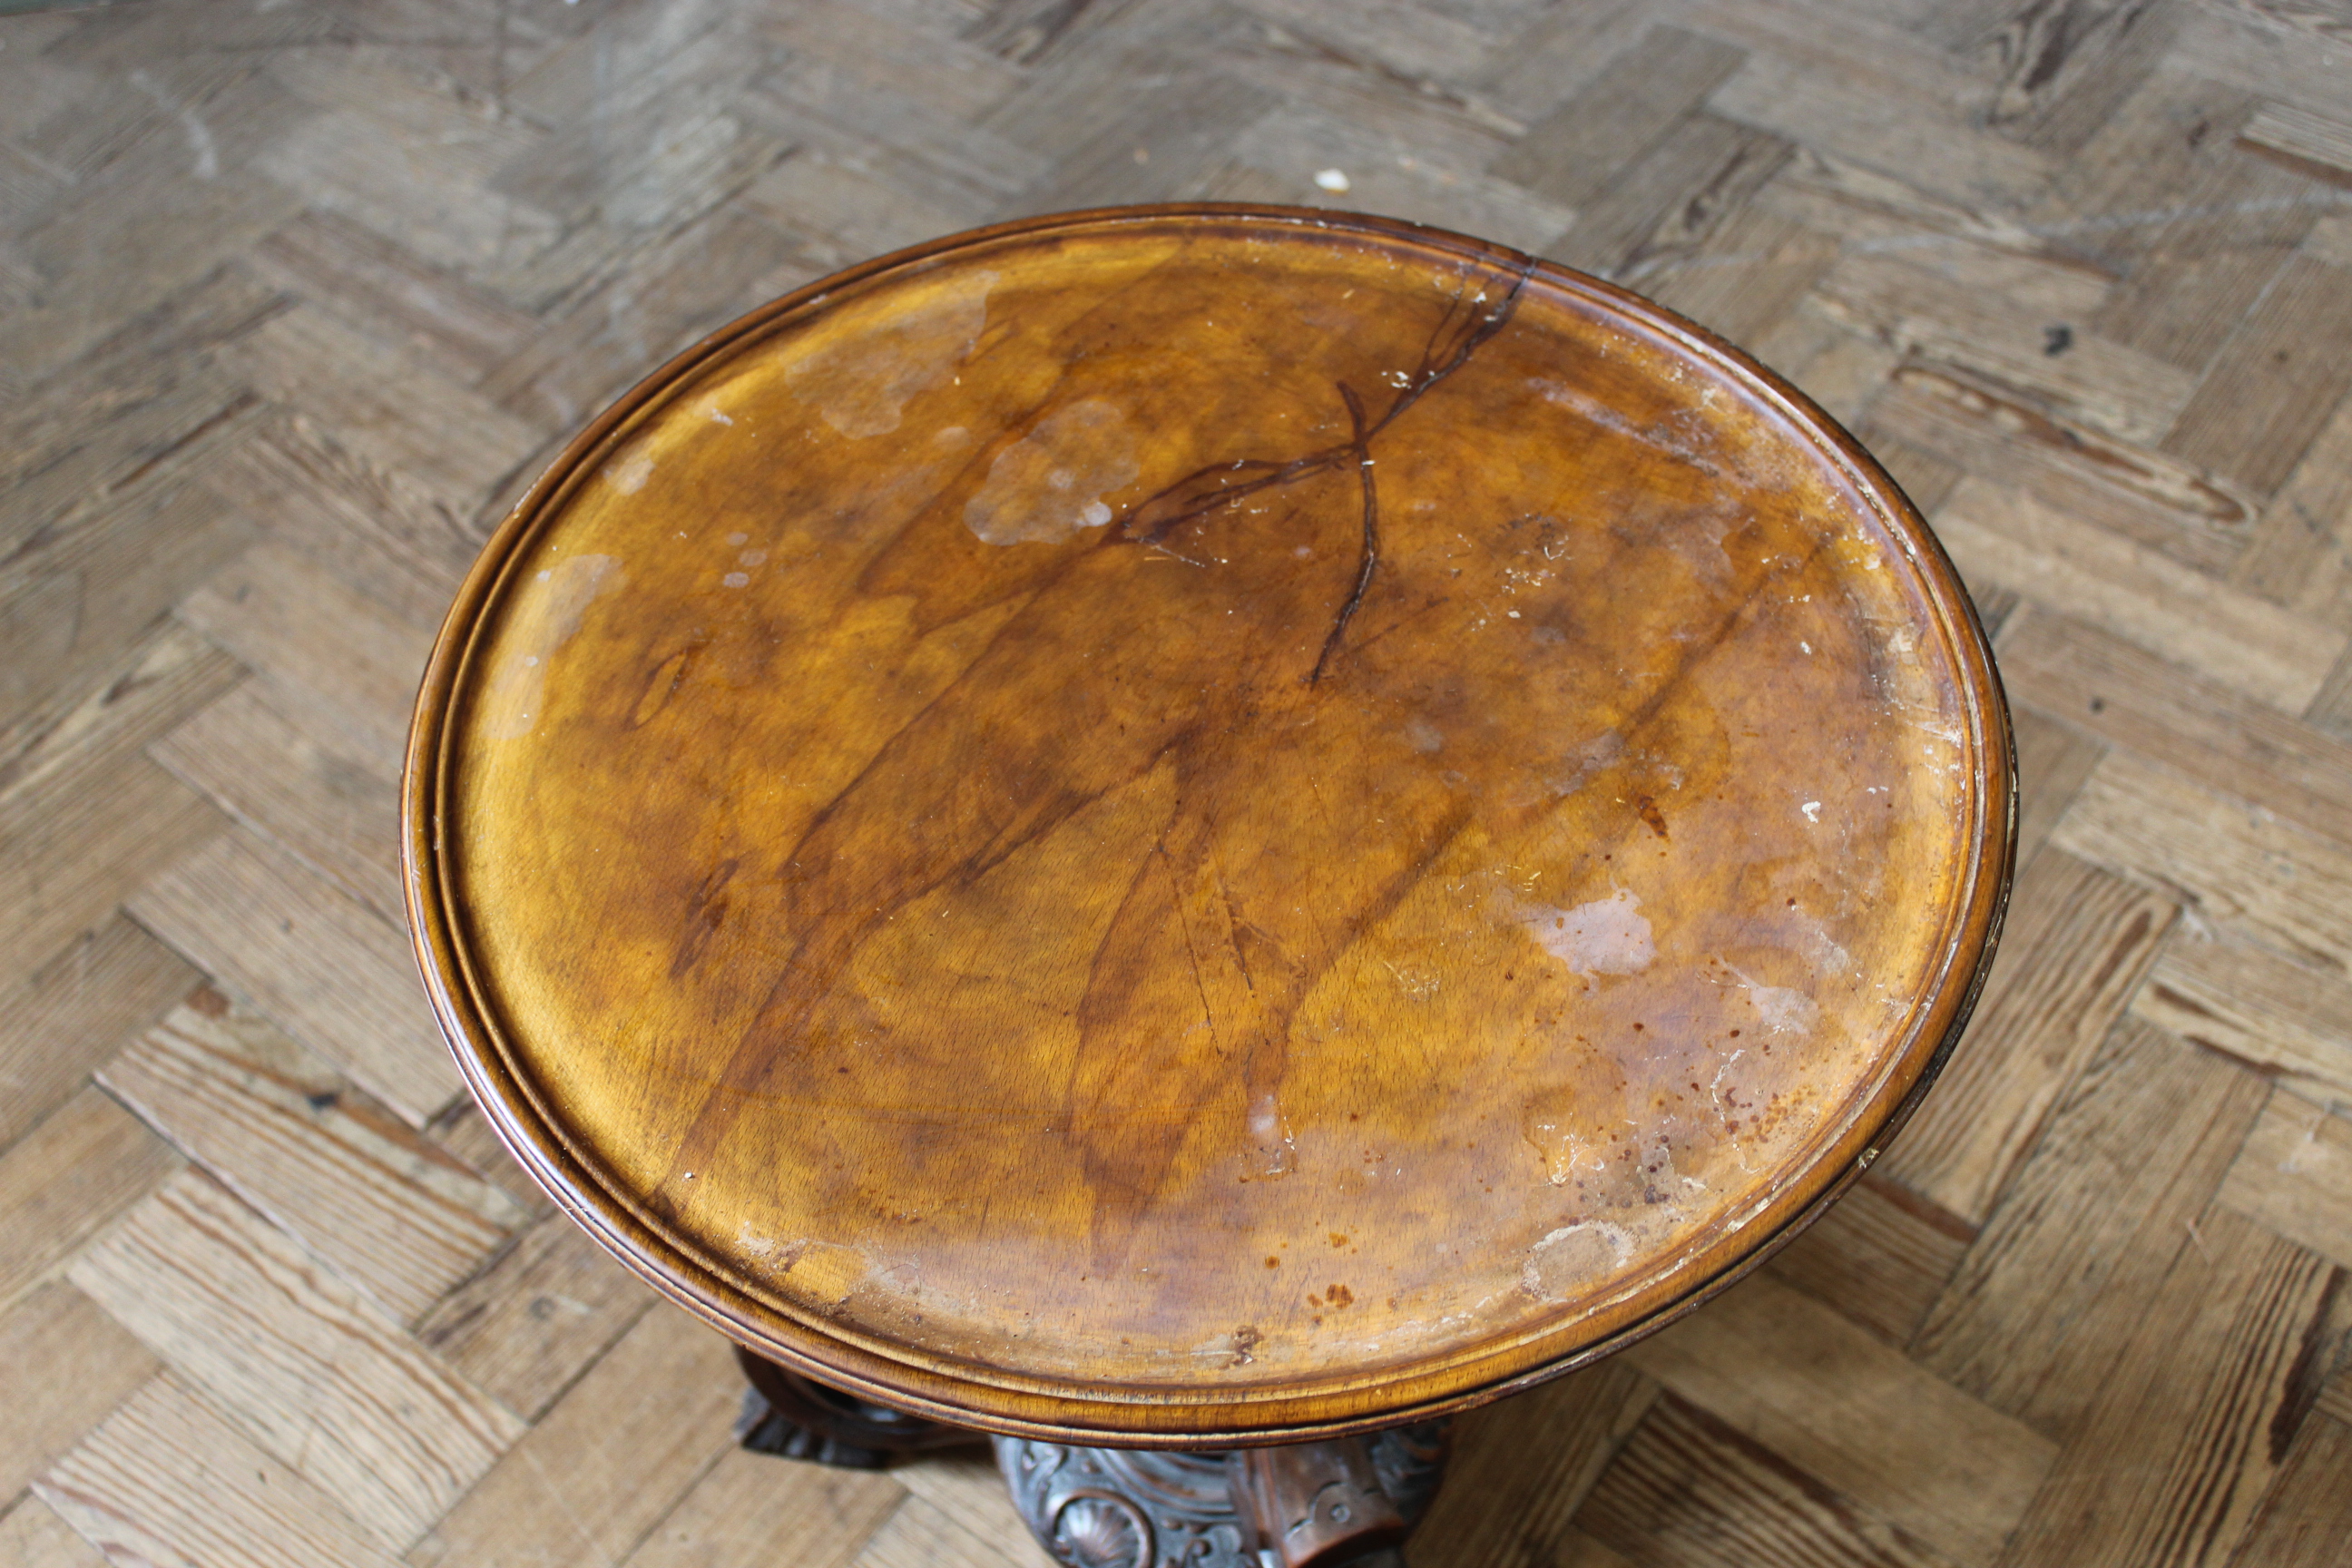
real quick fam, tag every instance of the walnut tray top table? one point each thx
(1196, 837)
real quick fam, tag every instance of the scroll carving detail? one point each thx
(1314, 1505)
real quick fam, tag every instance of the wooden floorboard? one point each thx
(294, 300)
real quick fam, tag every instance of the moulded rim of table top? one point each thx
(904, 1377)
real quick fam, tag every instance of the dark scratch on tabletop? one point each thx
(1205, 489)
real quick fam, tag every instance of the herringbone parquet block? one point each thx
(295, 300)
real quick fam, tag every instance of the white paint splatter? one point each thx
(1820, 951)
(1574, 1259)
(1607, 936)
(628, 473)
(1658, 438)
(546, 613)
(1554, 1124)
(1782, 1009)
(1590, 759)
(862, 382)
(1270, 1130)
(1050, 484)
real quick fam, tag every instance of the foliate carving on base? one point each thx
(1122, 1508)
(1315, 1502)
(1311, 1505)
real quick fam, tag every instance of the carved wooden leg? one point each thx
(786, 1414)
(1304, 1505)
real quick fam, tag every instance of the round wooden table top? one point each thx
(1202, 825)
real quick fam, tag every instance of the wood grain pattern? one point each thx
(69, 1365)
(2295, 1177)
(735, 1515)
(273, 610)
(2221, 1348)
(1743, 277)
(83, 590)
(51, 754)
(598, 1475)
(1664, 206)
(366, 279)
(2056, 1282)
(463, 1129)
(2301, 554)
(2246, 870)
(2308, 1514)
(1498, 1508)
(74, 1011)
(1691, 1490)
(64, 1181)
(1805, 1384)
(323, 805)
(2267, 394)
(1144, 653)
(2105, 685)
(1817, 85)
(532, 1320)
(1882, 1257)
(2290, 1020)
(167, 1479)
(386, 1206)
(2012, 539)
(74, 861)
(32, 1535)
(1574, 153)
(2052, 762)
(968, 1488)
(1919, 313)
(295, 301)
(2086, 940)
(918, 1535)
(2129, 489)
(313, 1369)
(320, 964)
(2302, 137)
(2237, 224)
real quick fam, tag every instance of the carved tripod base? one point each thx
(786, 1414)
(1303, 1505)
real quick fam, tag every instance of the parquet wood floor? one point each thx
(294, 298)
